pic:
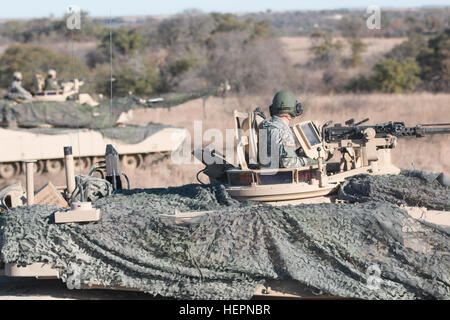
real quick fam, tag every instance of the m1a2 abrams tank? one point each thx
(52, 117)
(136, 146)
(39, 130)
(362, 149)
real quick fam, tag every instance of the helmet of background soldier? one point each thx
(285, 102)
(17, 76)
(51, 73)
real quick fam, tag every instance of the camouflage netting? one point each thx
(411, 188)
(68, 114)
(89, 188)
(130, 134)
(330, 248)
(133, 134)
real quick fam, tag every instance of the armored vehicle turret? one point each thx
(360, 149)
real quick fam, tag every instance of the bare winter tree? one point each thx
(249, 65)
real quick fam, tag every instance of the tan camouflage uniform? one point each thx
(16, 91)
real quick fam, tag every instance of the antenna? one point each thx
(110, 72)
(76, 109)
(111, 88)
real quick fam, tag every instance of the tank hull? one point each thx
(88, 146)
(22, 144)
(285, 192)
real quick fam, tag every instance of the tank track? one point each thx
(128, 162)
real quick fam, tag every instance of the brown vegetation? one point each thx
(298, 48)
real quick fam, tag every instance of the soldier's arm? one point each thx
(293, 162)
(288, 156)
(24, 93)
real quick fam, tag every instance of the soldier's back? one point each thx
(51, 85)
(280, 144)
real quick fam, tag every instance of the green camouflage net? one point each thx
(412, 188)
(68, 114)
(129, 134)
(133, 134)
(328, 248)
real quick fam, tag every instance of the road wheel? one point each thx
(129, 162)
(151, 159)
(140, 160)
(53, 166)
(85, 165)
(38, 167)
(8, 170)
(95, 161)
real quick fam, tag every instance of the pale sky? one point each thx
(44, 8)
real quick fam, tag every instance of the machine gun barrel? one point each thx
(397, 129)
(436, 130)
(435, 124)
(400, 130)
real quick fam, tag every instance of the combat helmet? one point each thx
(17, 76)
(285, 102)
(51, 73)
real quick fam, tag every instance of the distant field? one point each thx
(62, 48)
(298, 48)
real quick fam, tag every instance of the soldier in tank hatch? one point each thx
(284, 108)
(16, 91)
(50, 82)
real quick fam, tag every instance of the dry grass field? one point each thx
(298, 51)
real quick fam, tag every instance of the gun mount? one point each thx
(359, 145)
(362, 150)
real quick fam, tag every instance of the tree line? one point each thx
(193, 51)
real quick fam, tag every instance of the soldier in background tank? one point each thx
(15, 91)
(47, 111)
(50, 82)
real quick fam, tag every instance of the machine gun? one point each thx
(360, 145)
(397, 129)
(360, 149)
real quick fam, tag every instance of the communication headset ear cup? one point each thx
(299, 109)
(271, 110)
